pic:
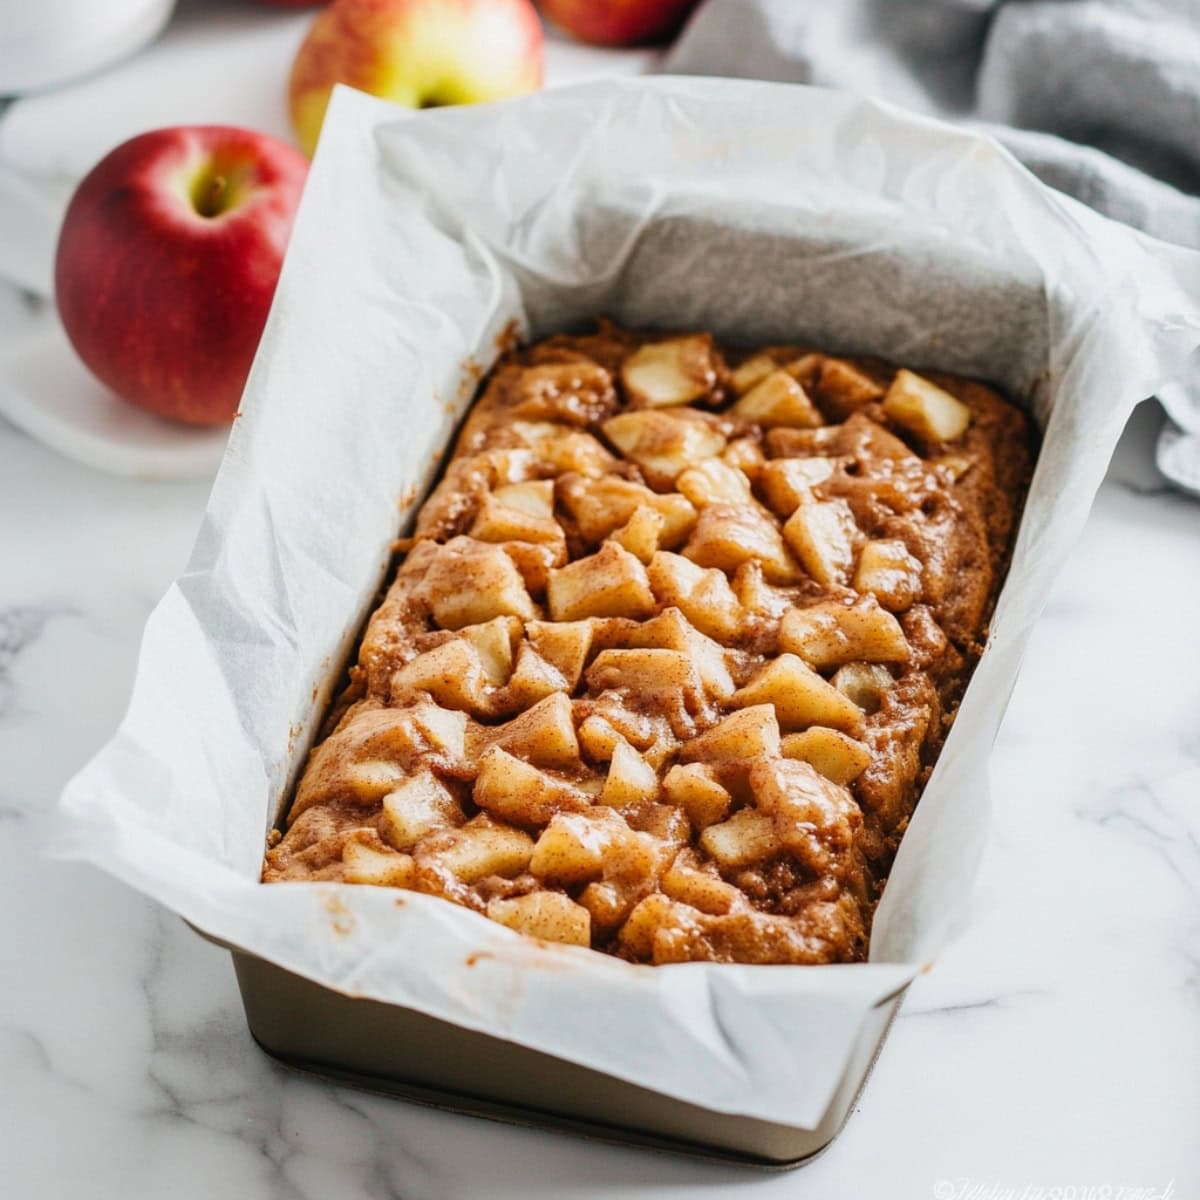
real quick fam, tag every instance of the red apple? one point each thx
(420, 53)
(618, 22)
(167, 261)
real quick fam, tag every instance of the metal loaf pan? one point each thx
(405, 1053)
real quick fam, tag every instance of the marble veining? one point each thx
(1055, 1044)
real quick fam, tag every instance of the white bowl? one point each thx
(46, 42)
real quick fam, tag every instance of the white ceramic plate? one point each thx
(46, 391)
(43, 43)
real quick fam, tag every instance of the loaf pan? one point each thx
(400, 1052)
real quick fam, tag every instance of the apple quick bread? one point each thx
(672, 649)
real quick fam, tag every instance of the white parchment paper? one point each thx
(763, 212)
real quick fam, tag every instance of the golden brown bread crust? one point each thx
(673, 648)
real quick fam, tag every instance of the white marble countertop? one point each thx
(1055, 1045)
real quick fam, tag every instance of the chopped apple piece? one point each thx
(802, 443)
(760, 601)
(661, 750)
(471, 582)
(677, 371)
(678, 516)
(688, 883)
(496, 522)
(829, 634)
(518, 792)
(890, 573)
(562, 448)
(633, 866)
(534, 497)
(598, 739)
(813, 818)
(664, 681)
(752, 372)
(579, 452)
(609, 583)
(694, 788)
(727, 535)
(579, 391)
(865, 684)
(611, 633)
(369, 779)
(444, 729)
(778, 400)
(650, 915)
(846, 387)
(838, 757)
(647, 731)
(824, 536)
(480, 848)
(533, 679)
(372, 750)
(574, 847)
(925, 409)
(713, 481)
(563, 644)
(670, 630)
(421, 804)
(745, 455)
(661, 825)
(751, 733)
(509, 464)
(787, 482)
(451, 673)
(799, 696)
(535, 560)
(659, 833)
(644, 672)
(493, 642)
(631, 779)
(747, 838)
(702, 595)
(533, 433)
(364, 863)
(663, 443)
(543, 735)
(640, 534)
(608, 902)
(805, 370)
(550, 916)
(598, 506)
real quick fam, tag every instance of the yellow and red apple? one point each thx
(419, 53)
(167, 262)
(618, 22)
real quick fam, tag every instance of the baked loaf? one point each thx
(672, 649)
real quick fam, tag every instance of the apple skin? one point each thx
(419, 53)
(167, 261)
(618, 22)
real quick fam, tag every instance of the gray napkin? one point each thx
(1099, 98)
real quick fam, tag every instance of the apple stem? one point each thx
(211, 201)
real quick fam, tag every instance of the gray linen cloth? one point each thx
(1099, 98)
